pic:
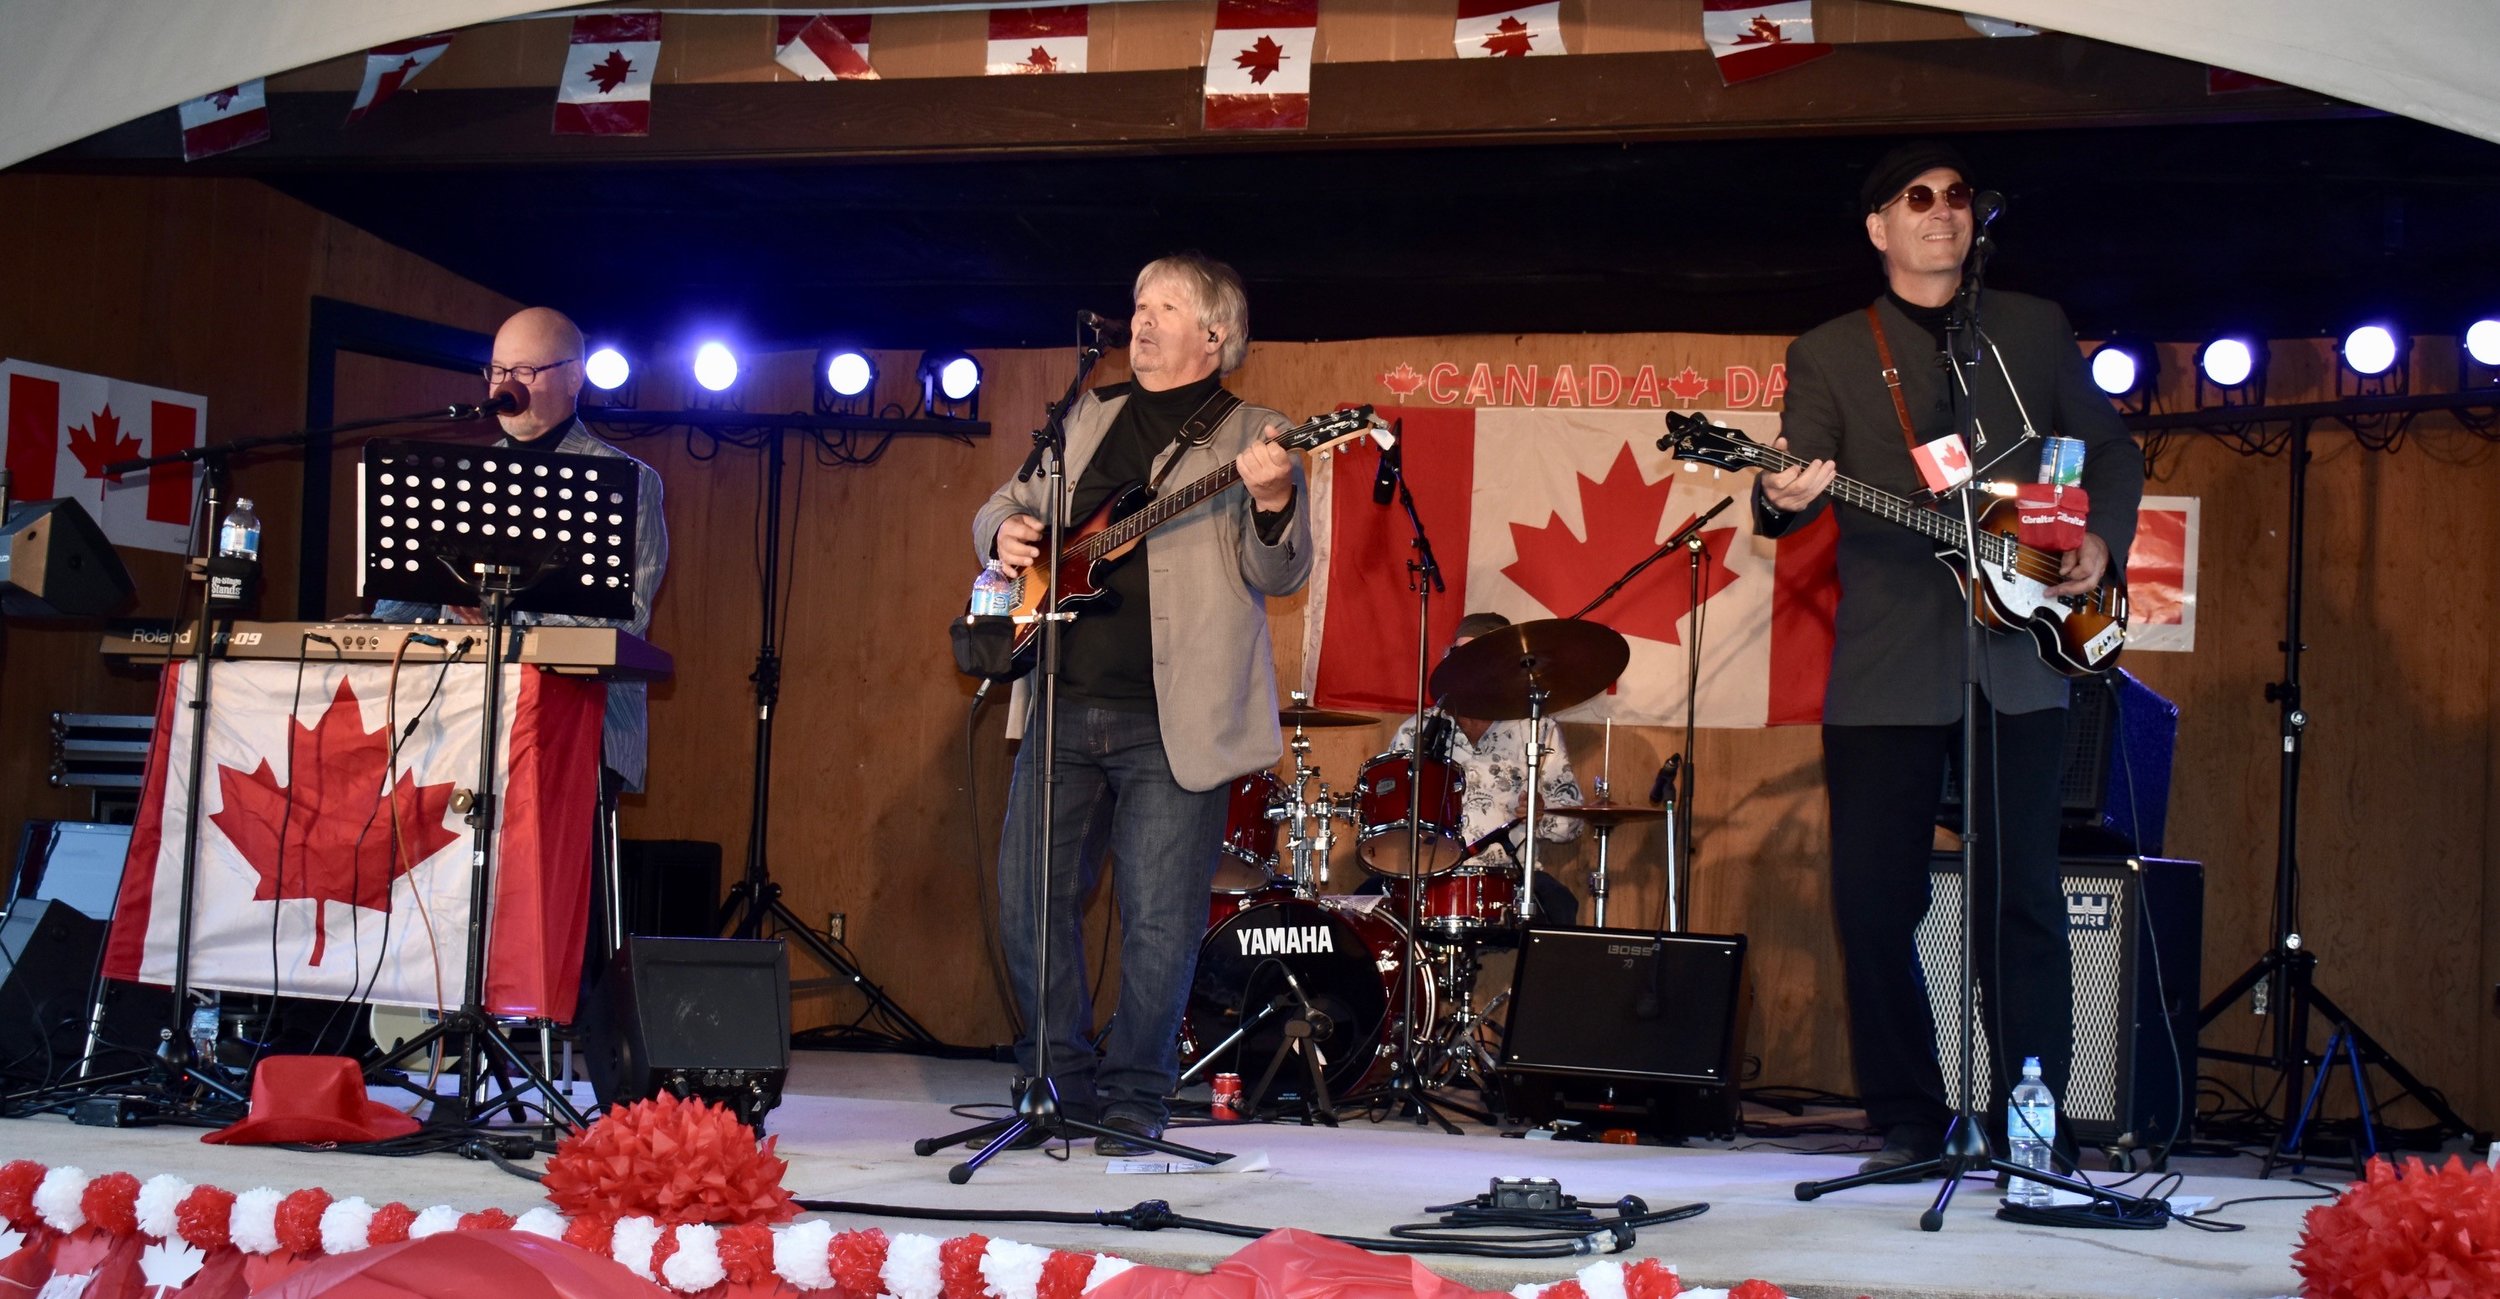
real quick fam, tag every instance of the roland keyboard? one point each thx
(582, 651)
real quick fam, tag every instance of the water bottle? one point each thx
(238, 537)
(2031, 1127)
(993, 592)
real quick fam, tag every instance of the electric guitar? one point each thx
(1107, 535)
(2077, 635)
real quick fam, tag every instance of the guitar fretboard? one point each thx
(1164, 508)
(1935, 525)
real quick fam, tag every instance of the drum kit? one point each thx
(1307, 989)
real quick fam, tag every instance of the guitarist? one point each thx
(1164, 696)
(1893, 707)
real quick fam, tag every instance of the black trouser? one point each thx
(1885, 783)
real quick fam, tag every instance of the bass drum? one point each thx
(1346, 963)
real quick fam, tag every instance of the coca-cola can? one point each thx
(1226, 1105)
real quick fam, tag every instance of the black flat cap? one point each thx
(1906, 164)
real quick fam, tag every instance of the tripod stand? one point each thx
(2284, 979)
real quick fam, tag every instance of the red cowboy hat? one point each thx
(312, 1098)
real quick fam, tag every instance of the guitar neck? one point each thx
(1935, 525)
(1164, 508)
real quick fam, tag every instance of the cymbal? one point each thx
(1608, 814)
(1300, 715)
(1491, 676)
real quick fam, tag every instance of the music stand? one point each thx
(506, 529)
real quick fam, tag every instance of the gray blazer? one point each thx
(1897, 656)
(1210, 575)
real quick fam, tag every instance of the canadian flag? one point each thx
(1755, 40)
(1533, 512)
(1493, 29)
(224, 120)
(1942, 464)
(823, 47)
(607, 75)
(65, 427)
(389, 69)
(1024, 41)
(332, 866)
(1259, 65)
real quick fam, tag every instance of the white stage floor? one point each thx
(848, 1123)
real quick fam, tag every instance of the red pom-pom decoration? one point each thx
(391, 1223)
(597, 1235)
(857, 1261)
(1064, 1275)
(746, 1253)
(660, 1250)
(1649, 1278)
(111, 1202)
(299, 1221)
(671, 1160)
(487, 1220)
(1565, 1290)
(1756, 1290)
(2405, 1234)
(201, 1218)
(18, 1180)
(959, 1266)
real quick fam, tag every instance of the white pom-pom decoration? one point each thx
(1105, 1268)
(802, 1254)
(1527, 1290)
(253, 1223)
(541, 1221)
(59, 1196)
(912, 1267)
(159, 1197)
(696, 1265)
(346, 1226)
(1603, 1280)
(434, 1221)
(1013, 1271)
(632, 1243)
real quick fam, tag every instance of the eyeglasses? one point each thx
(525, 373)
(1920, 197)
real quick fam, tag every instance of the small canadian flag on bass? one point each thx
(607, 75)
(1259, 65)
(1755, 40)
(1505, 29)
(389, 69)
(1029, 41)
(824, 47)
(225, 120)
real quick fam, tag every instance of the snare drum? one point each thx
(1247, 864)
(1381, 803)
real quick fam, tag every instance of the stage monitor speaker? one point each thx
(2135, 937)
(2114, 777)
(48, 957)
(55, 563)
(704, 1018)
(670, 887)
(1625, 1028)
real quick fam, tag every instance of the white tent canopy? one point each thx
(71, 68)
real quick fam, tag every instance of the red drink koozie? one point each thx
(2052, 516)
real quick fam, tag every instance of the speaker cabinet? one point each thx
(702, 1018)
(47, 967)
(2135, 938)
(1627, 1028)
(55, 563)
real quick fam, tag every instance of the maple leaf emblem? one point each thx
(1038, 61)
(99, 442)
(1621, 516)
(307, 838)
(1762, 31)
(1261, 59)
(1509, 40)
(222, 99)
(169, 1265)
(1688, 385)
(611, 72)
(1402, 380)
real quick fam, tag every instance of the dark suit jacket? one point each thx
(1897, 660)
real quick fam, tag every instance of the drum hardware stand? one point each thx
(1037, 1098)
(1308, 847)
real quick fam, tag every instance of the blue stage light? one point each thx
(2227, 362)
(607, 369)
(715, 366)
(848, 372)
(2370, 350)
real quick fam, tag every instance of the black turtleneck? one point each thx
(1931, 319)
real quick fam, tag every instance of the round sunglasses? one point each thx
(1920, 197)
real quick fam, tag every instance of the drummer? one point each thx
(1492, 758)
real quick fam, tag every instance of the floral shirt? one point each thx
(1496, 773)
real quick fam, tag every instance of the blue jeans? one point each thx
(1114, 791)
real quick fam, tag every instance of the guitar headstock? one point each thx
(1326, 432)
(1694, 437)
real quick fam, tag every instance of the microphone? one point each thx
(508, 398)
(1986, 206)
(1392, 464)
(1666, 776)
(1113, 333)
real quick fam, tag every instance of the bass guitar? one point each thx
(1107, 535)
(2077, 635)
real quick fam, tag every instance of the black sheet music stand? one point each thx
(504, 529)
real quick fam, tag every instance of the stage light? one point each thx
(2114, 370)
(607, 369)
(950, 385)
(2482, 342)
(715, 366)
(2227, 362)
(2127, 368)
(2370, 350)
(848, 372)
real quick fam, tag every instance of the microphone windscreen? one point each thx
(509, 398)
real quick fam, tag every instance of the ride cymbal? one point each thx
(1494, 676)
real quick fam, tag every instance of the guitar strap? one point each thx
(1892, 377)
(1195, 431)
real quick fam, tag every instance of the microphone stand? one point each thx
(1037, 1103)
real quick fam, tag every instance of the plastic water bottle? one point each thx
(993, 592)
(238, 537)
(2031, 1128)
